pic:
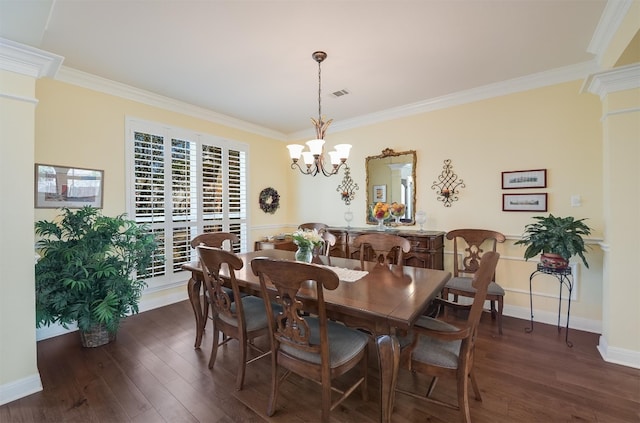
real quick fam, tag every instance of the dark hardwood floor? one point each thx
(152, 373)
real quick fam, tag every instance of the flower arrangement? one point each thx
(381, 211)
(397, 209)
(307, 238)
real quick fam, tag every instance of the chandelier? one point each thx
(314, 158)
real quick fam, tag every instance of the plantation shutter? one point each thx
(185, 184)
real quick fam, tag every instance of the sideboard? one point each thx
(427, 247)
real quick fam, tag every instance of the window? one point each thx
(183, 184)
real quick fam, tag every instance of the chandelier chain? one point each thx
(319, 91)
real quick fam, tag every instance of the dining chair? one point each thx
(243, 320)
(329, 241)
(381, 248)
(304, 341)
(214, 239)
(437, 348)
(320, 227)
(469, 243)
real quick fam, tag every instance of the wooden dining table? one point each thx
(386, 302)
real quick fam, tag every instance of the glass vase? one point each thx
(304, 253)
(381, 226)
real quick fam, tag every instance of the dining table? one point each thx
(384, 300)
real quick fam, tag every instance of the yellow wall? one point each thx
(554, 128)
(84, 128)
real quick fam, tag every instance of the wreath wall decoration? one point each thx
(269, 200)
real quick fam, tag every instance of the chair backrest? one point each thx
(215, 239)
(329, 241)
(290, 327)
(481, 279)
(469, 242)
(211, 260)
(387, 248)
(320, 227)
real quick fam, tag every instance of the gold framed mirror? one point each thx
(391, 178)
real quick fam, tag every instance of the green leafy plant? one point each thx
(89, 268)
(556, 235)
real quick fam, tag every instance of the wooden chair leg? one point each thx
(365, 369)
(432, 386)
(474, 385)
(463, 395)
(500, 306)
(273, 397)
(214, 346)
(242, 363)
(326, 401)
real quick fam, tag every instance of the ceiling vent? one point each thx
(339, 93)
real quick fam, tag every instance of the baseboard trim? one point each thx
(20, 388)
(616, 355)
(144, 305)
(551, 318)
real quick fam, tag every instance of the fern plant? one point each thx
(556, 235)
(90, 268)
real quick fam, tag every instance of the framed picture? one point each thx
(379, 193)
(524, 179)
(524, 202)
(72, 187)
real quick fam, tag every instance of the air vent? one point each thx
(339, 93)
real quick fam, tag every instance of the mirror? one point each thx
(391, 177)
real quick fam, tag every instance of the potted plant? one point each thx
(557, 238)
(90, 271)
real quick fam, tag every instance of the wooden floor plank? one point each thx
(152, 373)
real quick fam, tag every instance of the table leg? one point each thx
(389, 361)
(193, 289)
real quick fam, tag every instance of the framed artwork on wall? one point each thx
(71, 187)
(515, 179)
(524, 202)
(379, 194)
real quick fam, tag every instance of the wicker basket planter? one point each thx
(96, 336)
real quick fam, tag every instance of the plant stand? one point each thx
(564, 277)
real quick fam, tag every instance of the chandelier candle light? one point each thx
(314, 158)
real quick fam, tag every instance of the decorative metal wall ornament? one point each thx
(447, 187)
(347, 187)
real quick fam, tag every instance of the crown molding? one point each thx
(610, 20)
(511, 86)
(107, 86)
(28, 61)
(610, 81)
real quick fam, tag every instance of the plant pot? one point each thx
(96, 336)
(554, 261)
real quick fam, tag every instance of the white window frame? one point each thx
(132, 125)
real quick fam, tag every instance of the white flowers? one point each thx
(307, 238)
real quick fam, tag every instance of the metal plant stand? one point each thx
(565, 278)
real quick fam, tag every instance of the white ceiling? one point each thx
(251, 60)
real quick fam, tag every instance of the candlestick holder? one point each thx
(447, 185)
